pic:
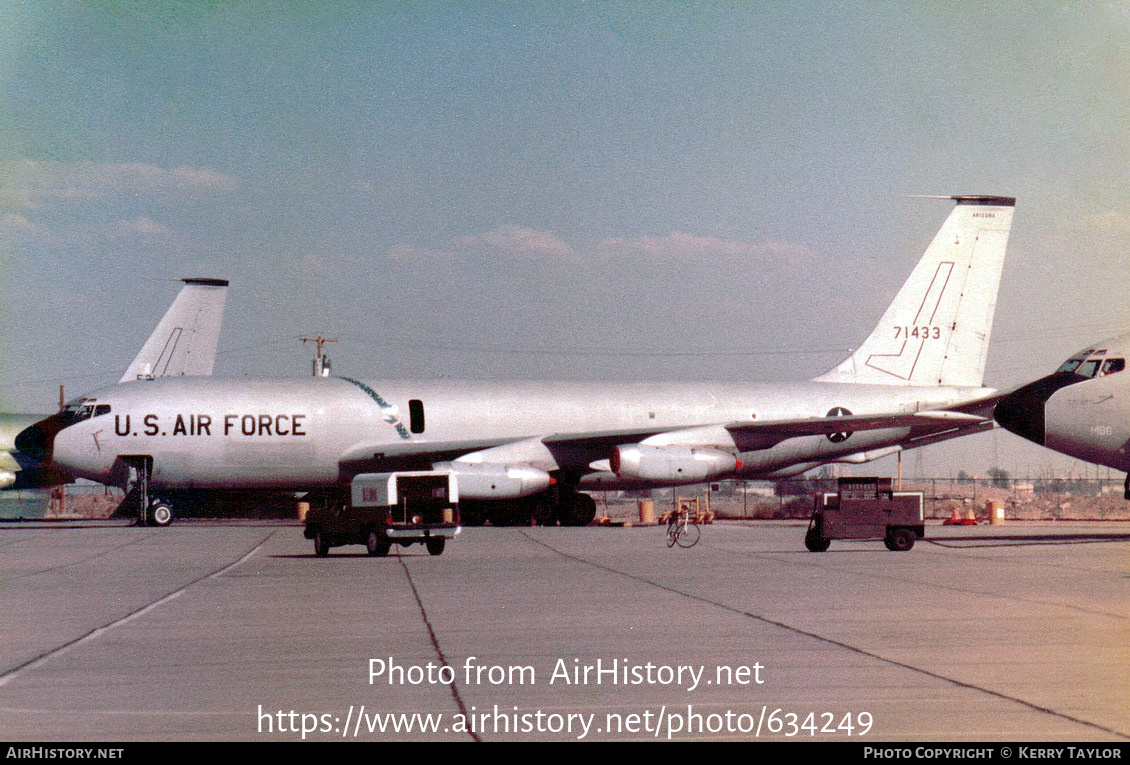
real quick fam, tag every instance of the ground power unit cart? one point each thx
(866, 508)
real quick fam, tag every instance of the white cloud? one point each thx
(528, 242)
(504, 240)
(680, 245)
(517, 240)
(406, 252)
(143, 226)
(13, 222)
(26, 183)
(1108, 222)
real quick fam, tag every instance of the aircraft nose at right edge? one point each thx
(1023, 411)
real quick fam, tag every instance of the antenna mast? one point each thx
(321, 366)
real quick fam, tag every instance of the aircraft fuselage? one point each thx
(1091, 421)
(302, 434)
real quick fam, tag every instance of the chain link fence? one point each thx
(1021, 498)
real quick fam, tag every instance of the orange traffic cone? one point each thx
(954, 520)
(970, 518)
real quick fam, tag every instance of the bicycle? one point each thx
(682, 531)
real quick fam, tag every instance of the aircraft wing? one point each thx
(579, 450)
(409, 455)
(765, 435)
(982, 407)
(551, 452)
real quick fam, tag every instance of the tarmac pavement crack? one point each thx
(435, 644)
(822, 562)
(84, 559)
(12, 673)
(826, 640)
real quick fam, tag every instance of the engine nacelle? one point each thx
(688, 464)
(493, 481)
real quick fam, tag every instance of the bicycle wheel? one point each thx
(688, 535)
(672, 533)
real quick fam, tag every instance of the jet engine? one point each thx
(671, 463)
(494, 481)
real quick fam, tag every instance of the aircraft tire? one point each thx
(321, 544)
(509, 513)
(377, 545)
(160, 513)
(816, 543)
(541, 511)
(472, 513)
(580, 510)
(435, 545)
(899, 540)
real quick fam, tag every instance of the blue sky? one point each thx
(548, 190)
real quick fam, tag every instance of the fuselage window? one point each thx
(101, 409)
(1070, 365)
(416, 415)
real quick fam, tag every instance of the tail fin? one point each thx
(936, 332)
(184, 343)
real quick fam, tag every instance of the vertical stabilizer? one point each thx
(936, 332)
(184, 343)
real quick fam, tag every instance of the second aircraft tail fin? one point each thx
(936, 332)
(185, 340)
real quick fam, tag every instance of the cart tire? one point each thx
(816, 543)
(377, 545)
(321, 544)
(900, 540)
(435, 545)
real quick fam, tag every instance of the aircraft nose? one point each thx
(38, 440)
(1022, 411)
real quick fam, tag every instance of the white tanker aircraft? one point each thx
(527, 451)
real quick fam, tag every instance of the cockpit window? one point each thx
(1089, 368)
(85, 409)
(1110, 366)
(1095, 366)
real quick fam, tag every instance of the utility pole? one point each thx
(321, 360)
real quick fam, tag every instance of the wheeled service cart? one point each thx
(866, 508)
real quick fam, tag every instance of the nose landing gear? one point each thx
(151, 511)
